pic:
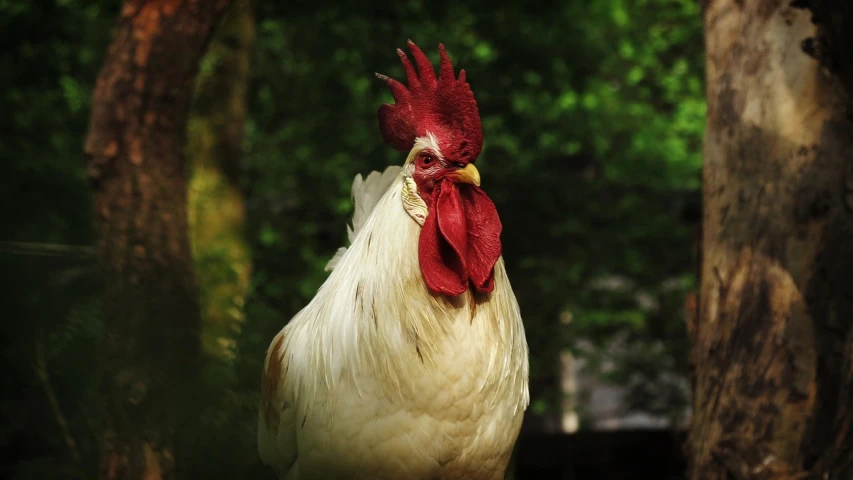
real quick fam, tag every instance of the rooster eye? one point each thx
(426, 160)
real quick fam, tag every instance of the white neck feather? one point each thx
(374, 315)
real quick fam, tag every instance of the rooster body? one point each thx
(382, 377)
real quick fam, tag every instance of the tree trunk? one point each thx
(773, 344)
(136, 165)
(217, 212)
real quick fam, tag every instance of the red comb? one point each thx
(443, 106)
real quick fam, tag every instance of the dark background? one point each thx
(593, 113)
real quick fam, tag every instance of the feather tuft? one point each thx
(365, 194)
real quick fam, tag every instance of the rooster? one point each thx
(411, 360)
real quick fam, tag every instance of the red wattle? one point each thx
(484, 238)
(460, 240)
(442, 258)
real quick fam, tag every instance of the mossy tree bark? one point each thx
(773, 343)
(216, 205)
(135, 156)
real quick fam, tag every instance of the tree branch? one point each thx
(47, 249)
(40, 368)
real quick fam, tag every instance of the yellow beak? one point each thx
(469, 174)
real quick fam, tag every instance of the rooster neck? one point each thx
(379, 278)
(375, 318)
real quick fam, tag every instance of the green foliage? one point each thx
(593, 115)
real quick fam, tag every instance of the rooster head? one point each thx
(437, 121)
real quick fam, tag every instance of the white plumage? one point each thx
(378, 378)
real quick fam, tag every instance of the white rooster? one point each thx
(411, 361)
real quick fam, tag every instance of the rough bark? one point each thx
(772, 346)
(216, 205)
(136, 166)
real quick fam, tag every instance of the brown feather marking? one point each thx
(417, 341)
(270, 381)
(474, 300)
(358, 295)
